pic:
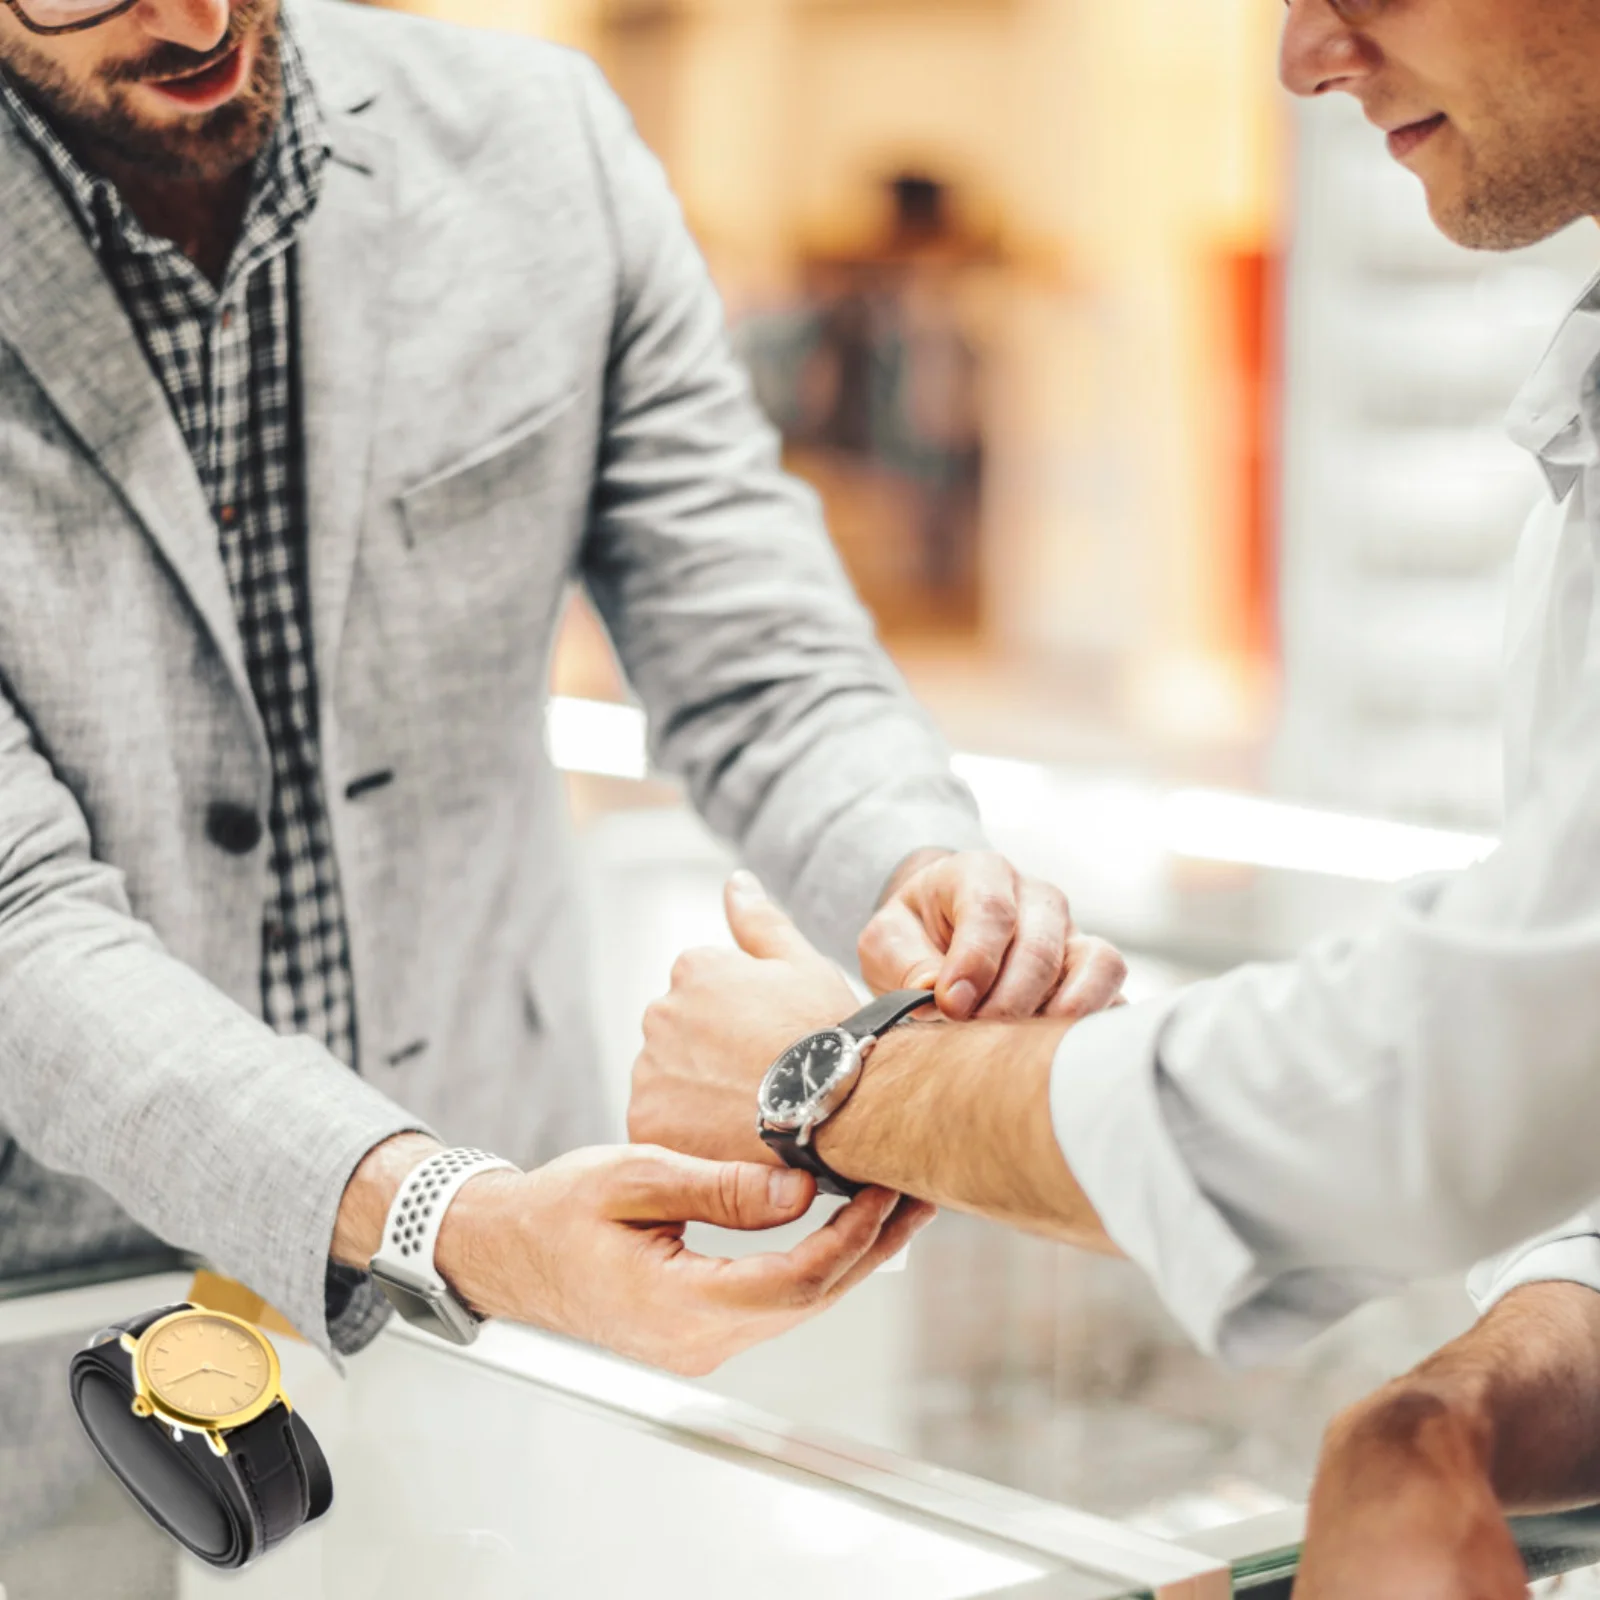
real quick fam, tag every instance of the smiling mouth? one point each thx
(214, 83)
(1414, 135)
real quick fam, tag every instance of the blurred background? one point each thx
(1162, 435)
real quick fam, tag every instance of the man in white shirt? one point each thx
(1282, 1144)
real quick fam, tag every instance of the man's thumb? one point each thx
(731, 1194)
(760, 925)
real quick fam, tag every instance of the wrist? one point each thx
(1444, 1421)
(477, 1252)
(358, 1229)
(990, 1081)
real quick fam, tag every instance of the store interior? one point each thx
(1161, 433)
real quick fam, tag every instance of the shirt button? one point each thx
(228, 515)
(227, 318)
(275, 936)
(233, 828)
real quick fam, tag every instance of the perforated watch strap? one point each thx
(412, 1228)
(878, 1016)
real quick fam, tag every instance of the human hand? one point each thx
(1403, 1509)
(987, 940)
(728, 1016)
(592, 1246)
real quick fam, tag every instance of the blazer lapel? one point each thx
(60, 314)
(344, 266)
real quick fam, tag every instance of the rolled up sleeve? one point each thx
(1284, 1143)
(1568, 1254)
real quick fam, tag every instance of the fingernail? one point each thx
(746, 885)
(923, 978)
(786, 1188)
(962, 999)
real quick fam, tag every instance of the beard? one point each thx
(1524, 197)
(97, 120)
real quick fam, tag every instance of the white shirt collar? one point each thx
(1554, 416)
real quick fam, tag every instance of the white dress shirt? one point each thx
(1280, 1145)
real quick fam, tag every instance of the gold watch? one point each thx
(187, 1407)
(204, 1371)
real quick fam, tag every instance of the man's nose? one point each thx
(1319, 52)
(197, 25)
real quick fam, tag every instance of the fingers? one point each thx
(1096, 972)
(980, 895)
(806, 1276)
(663, 1186)
(906, 1221)
(897, 951)
(761, 927)
(1037, 959)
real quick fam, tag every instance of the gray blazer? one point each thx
(516, 377)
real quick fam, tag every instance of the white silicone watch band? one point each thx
(412, 1228)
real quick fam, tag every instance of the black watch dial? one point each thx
(803, 1074)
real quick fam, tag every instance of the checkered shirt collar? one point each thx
(287, 174)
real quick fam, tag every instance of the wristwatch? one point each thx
(403, 1267)
(814, 1077)
(187, 1408)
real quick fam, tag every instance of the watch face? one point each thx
(797, 1084)
(207, 1367)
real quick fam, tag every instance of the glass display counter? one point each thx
(529, 1466)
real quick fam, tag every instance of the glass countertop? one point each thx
(531, 1466)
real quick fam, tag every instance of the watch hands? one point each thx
(205, 1366)
(805, 1072)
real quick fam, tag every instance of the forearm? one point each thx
(960, 1115)
(1519, 1394)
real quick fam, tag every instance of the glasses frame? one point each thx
(1363, 11)
(83, 23)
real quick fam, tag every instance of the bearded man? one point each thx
(334, 347)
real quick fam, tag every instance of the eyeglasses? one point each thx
(66, 16)
(1352, 13)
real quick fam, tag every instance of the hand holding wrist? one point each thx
(591, 1246)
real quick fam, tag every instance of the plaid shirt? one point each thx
(227, 360)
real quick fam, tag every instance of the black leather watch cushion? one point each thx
(225, 1510)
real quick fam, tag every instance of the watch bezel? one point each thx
(145, 1389)
(827, 1100)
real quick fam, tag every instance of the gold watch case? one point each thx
(204, 1371)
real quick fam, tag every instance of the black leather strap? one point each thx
(225, 1509)
(878, 1016)
(804, 1156)
(282, 1472)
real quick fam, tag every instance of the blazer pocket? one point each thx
(484, 480)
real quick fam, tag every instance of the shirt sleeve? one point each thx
(1567, 1254)
(1282, 1144)
(766, 688)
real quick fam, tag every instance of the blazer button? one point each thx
(234, 828)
